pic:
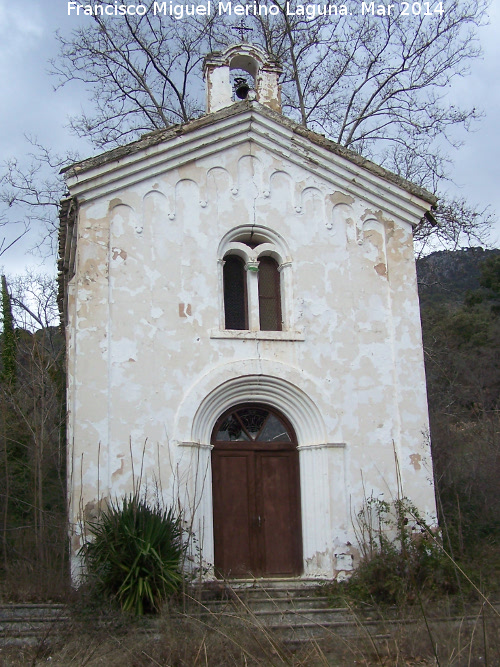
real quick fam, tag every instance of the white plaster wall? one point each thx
(144, 354)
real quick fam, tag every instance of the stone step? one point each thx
(26, 623)
(31, 611)
(294, 635)
(286, 617)
(265, 603)
(316, 616)
(293, 608)
(374, 628)
(295, 627)
(248, 589)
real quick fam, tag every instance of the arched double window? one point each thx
(252, 285)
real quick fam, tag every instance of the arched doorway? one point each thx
(256, 494)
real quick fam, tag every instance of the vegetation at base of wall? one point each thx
(402, 560)
(134, 554)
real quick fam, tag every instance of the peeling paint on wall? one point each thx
(149, 360)
(185, 310)
(415, 461)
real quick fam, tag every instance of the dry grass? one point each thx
(224, 641)
(25, 582)
(176, 641)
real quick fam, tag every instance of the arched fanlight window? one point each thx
(256, 424)
(235, 293)
(269, 295)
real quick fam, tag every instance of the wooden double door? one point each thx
(256, 494)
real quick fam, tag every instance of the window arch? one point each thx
(252, 260)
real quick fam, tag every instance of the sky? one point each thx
(30, 106)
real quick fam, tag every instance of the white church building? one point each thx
(243, 331)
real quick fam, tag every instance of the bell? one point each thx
(241, 88)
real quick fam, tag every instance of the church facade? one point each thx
(243, 333)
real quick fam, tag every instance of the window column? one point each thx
(252, 268)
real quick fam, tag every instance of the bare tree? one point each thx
(379, 86)
(375, 85)
(142, 72)
(456, 225)
(31, 191)
(10, 239)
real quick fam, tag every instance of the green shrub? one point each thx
(401, 559)
(135, 554)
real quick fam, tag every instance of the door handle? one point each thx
(259, 521)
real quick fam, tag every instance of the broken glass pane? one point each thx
(231, 430)
(274, 431)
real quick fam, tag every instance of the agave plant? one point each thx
(135, 553)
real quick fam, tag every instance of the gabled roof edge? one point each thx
(159, 136)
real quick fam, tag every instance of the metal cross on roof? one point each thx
(242, 30)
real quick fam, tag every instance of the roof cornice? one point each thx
(162, 150)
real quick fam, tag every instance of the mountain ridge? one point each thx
(447, 275)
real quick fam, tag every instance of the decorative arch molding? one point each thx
(224, 181)
(263, 234)
(370, 224)
(124, 219)
(268, 390)
(250, 175)
(155, 195)
(312, 202)
(251, 381)
(342, 221)
(155, 210)
(117, 205)
(281, 189)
